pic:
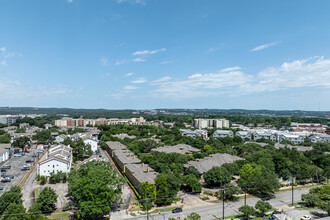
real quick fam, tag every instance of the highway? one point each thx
(214, 211)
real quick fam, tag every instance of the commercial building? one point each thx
(202, 123)
(223, 133)
(58, 158)
(179, 148)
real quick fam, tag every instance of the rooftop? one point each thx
(214, 160)
(179, 148)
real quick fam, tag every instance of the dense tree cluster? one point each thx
(95, 186)
(38, 121)
(43, 136)
(11, 206)
(79, 148)
(318, 197)
(4, 137)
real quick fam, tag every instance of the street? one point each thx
(214, 211)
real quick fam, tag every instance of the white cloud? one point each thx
(106, 74)
(129, 74)
(5, 55)
(139, 60)
(148, 52)
(104, 61)
(167, 62)
(130, 87)
(139, 80)
(264, 46)
(232, 81)
(140, 2)
(161, 81)
(119, 62)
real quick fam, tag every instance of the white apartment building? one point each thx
(58, 158)
(202, 123)
(92, 142)
(223, 133)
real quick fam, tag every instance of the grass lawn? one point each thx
(59, 215)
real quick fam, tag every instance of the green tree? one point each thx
(47, 199)
(15, 211)
(35, 213)
(20, 130)
(192, 170)
(21, 142)
(230, 192)
(193, 216)
(43, 136)
(247, 210)
(192, 182)
(14, 195)
(207, 148)
(168, 184)
(310, 199)
(149, 192)
(216, 176)
(94, 187)
(325, 206)
(263, 206)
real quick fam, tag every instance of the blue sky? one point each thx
(144, 54)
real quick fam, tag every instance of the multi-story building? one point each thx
(58, 158)
(264, 134)
(223, 133)
(9, 119)
(201, 123)
(243, 134)
(194, 134)
(320, 138)
(310, 127)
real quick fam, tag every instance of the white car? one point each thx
(17, 155)
(306, 217)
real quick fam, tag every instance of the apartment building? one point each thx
(130, 165)
(195, 133)
(223, 133)
(310, 127)
(202, 123)
(58, 158)
(244, 134)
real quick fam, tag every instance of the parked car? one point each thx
(276, 212)
(6, 179)
(1, 188)
(9, 176)
(268, 197)
(29, 161)
(100, 155)
(3, 170)
(177, 210)
(34, 155)
(25, 168)
(6, 167)
(17, 155)
(2, 174)
(306, 217)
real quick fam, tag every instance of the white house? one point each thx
(293, 138)
(59, 158)
(4, 152)
(194, 134)
(92, 142)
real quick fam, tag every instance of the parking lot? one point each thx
(17, 164)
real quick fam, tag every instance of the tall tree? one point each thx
(47, 199)
(94, 187)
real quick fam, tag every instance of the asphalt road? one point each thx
(214, 211)
(16, 165)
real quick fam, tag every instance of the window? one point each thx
(57, 164)
(53, 166)
(48, 165)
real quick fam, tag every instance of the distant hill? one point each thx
(163, 112)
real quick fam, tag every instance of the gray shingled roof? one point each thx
(179, 148)
(214, 160)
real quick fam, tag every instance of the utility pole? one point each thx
(245, 194)
(164, 211)
(223, 200)
(147, 205)
(292, 181)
